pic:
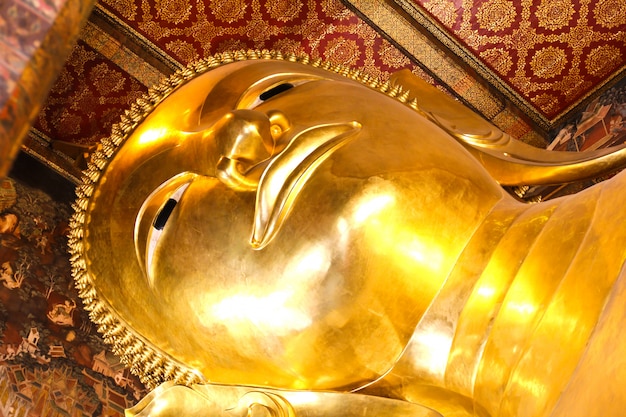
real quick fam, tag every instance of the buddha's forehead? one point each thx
(245, 85)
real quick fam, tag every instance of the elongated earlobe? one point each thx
(509, 161)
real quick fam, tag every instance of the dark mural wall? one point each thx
(600, 125)
(52, 361)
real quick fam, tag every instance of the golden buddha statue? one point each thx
(298, 235)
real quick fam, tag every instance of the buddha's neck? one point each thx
(511, 321)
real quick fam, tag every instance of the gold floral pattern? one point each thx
(342, 51)
(87, 99)
(228, 11)
(554, 14)
(182, 50)
(546, 41)
(335, 9)
(283, 10)
(496, 15)
(610, 13)
(204, 31)
(444, 10)
(600, 60)
(548, 62)
(289, 46)
(499, 59)
(106, 80)
(392, 57)
(547, 101)
(573, 86)
(173, 11)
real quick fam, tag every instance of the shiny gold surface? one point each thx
(335, 234)
(170, 400)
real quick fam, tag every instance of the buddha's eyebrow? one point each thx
(266, 95)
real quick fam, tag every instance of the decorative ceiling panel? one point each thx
(129, 45)
(546, 56)
(88, 98)
(188, 30)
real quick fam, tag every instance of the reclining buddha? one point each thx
(260, 225)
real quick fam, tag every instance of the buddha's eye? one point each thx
(168, 207)
(161, 220)
(164, 214)
(281, 88)
(273, 92)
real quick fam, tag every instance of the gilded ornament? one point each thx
(610, 14)
(283, 10)
(345, 51)
(228, 11)
(183, 50)
(496, 15)
(391, 56)
(291, 232)
(546, 101)
(602, 60)
(335, 9)
(554, 14)
(499, 59)
(548, 62)
(173, 11)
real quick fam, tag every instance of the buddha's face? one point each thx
(274, 224)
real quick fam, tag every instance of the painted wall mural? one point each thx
(600, 125)
(52, 361)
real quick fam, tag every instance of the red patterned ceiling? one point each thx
(188, 30)
(549, 53)
(129, 44)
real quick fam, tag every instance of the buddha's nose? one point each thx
(244, 140)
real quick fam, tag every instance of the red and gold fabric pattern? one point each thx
(88, 98)
(551, 52)
(325, 29)
(102, 78)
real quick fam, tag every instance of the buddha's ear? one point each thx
(509, 161)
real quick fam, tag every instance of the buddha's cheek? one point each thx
(303, 305)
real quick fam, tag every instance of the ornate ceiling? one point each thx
(523, 65)
(545, 56)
